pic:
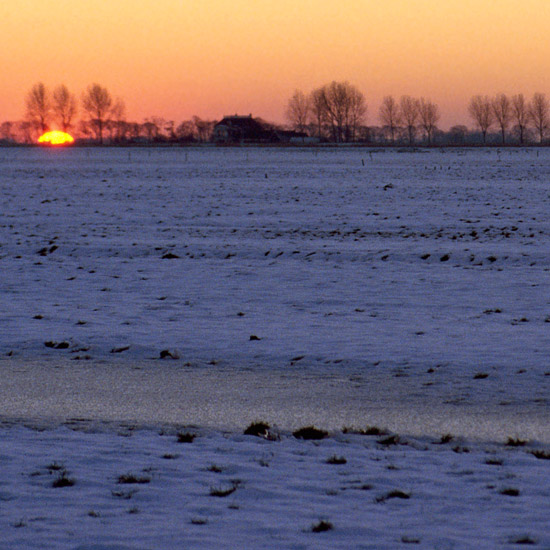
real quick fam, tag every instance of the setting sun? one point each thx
(56, 137)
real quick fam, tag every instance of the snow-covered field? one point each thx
(146, 290)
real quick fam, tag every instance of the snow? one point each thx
(406, 290)
(283, 488)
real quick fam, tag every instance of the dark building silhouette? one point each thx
(241, 129)
(245, 129)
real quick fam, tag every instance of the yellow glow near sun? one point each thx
(56, 137)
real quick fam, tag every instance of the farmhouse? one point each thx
(242, 129)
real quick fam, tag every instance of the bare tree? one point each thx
(520, 114)
(185, 131)
(64, 107)
(203, 128)
(357, 112)
(297, 111)
(96, 102)
(457, 134)
(117, 120)
(84, 128)
(134, 129)
(170, 130)
(429, 115)
(317, 109)
(342, 106)
(7, 131)
(150, 129)
(38, 106)
(27, 130)
(502, 111)
(481, 112)
(539, 113)
(334, 103)
(409, 112)
(390, 115)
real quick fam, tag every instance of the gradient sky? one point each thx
(177, 58)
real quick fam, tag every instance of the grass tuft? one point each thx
(390, 440)
(170, 456)
(369, 430)
(394, 494)
(336, 460)
(63, 480)
(125, 495)
(127, 479)
(310, 432)
(522, 540)
(322, 526)
(543, 455)
(510, 492)
(222, 492)
(515, 442)
(259, 429)
(410, 540)
(186, 437)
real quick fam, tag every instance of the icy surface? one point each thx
(335, 287)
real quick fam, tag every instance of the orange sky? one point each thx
(177, 58)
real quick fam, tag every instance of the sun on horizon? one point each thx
(55, 137)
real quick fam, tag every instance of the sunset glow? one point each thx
(179, 58)
(56, 137)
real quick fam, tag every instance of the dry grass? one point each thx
(310, 432)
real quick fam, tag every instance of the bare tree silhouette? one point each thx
(203, 128)
(151, 128)
(390, 115)
(27, 130)
(481, 112)
(185, 131)
(64, 107)
(428, 113)
(342, 106)
(357, 112)
(458, 134)
(297, 111)
(334, 102)
(539, 113)
(317, 108)
(7, 131)
(117, 120)
(502, 111)
(38, 106)
(97, 102)
(409, 112)
(520, 114)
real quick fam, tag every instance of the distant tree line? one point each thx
(334, 113)
(102, 119)
(337, 112)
